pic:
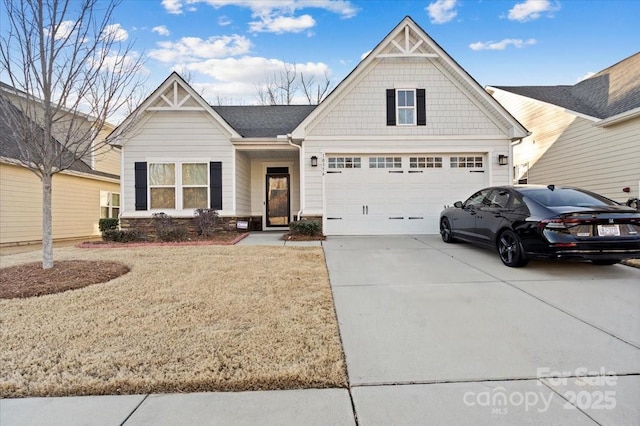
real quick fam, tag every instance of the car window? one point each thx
(478, 199)
(498, 198)
(568, 197)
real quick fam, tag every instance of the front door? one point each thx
(278, 200)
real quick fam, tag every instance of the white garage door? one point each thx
(398, 194)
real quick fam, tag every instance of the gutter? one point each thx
(300, 172)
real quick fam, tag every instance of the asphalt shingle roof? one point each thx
(10, 148)
(264, 121)
(610, 92)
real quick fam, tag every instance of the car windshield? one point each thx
(568, 197)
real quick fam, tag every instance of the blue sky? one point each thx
(230, 46)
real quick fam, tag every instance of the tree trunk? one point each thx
(47, 226)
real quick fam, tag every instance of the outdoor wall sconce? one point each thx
(503, 160)
(314, 161)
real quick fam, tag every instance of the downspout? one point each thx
(300, 172)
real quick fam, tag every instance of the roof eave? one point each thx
(619, 118)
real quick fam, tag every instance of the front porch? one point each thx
(267, 185)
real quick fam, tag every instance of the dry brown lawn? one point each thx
(184, 319)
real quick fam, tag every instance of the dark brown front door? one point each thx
(278, 199)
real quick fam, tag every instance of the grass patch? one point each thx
(184, 319)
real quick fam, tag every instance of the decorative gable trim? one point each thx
(174, 94)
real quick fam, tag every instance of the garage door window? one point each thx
(466, 162)
(425, 162)
(385, 162)
(344, 162)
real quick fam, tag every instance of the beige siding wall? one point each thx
(603, 160)
(243, 184)
(75, 205)
(565, 149)
(176, 136)
(108, 161)
(361, 108)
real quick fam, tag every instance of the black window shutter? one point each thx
(215, 184)
(421, 103)
(391, 107)
(141, 185)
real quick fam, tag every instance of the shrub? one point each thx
(123, 235)
(173, 233)
(304, 227)
(107, 224)
(166, 230)
(206, 220)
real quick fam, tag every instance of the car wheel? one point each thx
(605, 261)
(510, 250)
(445, 231)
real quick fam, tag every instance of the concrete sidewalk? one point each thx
(289, 407)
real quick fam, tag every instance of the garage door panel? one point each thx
(407, 200)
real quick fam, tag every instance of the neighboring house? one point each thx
(406, 132)
(81, 195)
(585, 135)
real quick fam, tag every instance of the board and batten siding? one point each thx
(177, 136)
(566, 149)
(75, 205)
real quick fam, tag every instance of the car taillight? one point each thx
(558, 224)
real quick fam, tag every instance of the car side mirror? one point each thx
(457, 204)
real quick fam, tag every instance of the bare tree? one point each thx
(70, 72)
(279, 88)
(315, 93)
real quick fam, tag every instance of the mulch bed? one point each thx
(298, 237)
(217, 239)
(31, 280)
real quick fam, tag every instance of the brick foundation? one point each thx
(224, 224)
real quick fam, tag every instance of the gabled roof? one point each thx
(10, 146)
(610, 92)
(409, 40)
(264, 121)
(169, 97)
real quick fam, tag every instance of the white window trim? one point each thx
(413, 108)
(110, 206)
(178, 201)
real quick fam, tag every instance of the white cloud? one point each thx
(282, 24)
(115, 32)
(189, 49)
(63, 31)
(238, 78)
(365, 54)
(223, 21)
(532, 9)
(501, 45)
(442, 11)
(276, 16)
(586, 76)
(173, 6)
(161, 30)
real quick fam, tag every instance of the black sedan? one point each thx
(523, 222)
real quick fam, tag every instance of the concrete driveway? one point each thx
(446, 334)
